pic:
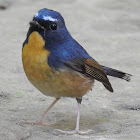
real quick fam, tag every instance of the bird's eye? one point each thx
(53, 26)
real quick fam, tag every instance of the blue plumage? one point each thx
(46, 14)
(66, 52)
(59, 42)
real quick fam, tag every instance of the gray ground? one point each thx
(110, 31)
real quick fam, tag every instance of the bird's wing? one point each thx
(90, 68)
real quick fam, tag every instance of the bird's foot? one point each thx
(74, 132)
(36, 123)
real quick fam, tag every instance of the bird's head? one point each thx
(49, 34)
(51, 26)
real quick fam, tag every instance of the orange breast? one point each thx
(55, 84)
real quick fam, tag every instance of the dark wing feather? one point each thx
(90, 68)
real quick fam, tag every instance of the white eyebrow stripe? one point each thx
(36, 14)
(49, 18)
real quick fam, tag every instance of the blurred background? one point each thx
(110, 31)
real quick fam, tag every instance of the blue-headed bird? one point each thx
(58, 66)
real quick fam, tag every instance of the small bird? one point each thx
(58, 66)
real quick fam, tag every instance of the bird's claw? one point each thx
(36, 123)
(73, 132)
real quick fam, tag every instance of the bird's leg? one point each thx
(76, 131)
(40, 122)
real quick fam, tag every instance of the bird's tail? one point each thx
(117, 73)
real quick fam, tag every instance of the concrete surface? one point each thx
(110, 31)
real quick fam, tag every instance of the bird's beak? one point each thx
(36, 24)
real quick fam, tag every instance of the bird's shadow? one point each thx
(86, 122)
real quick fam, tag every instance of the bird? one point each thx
(58, 66)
